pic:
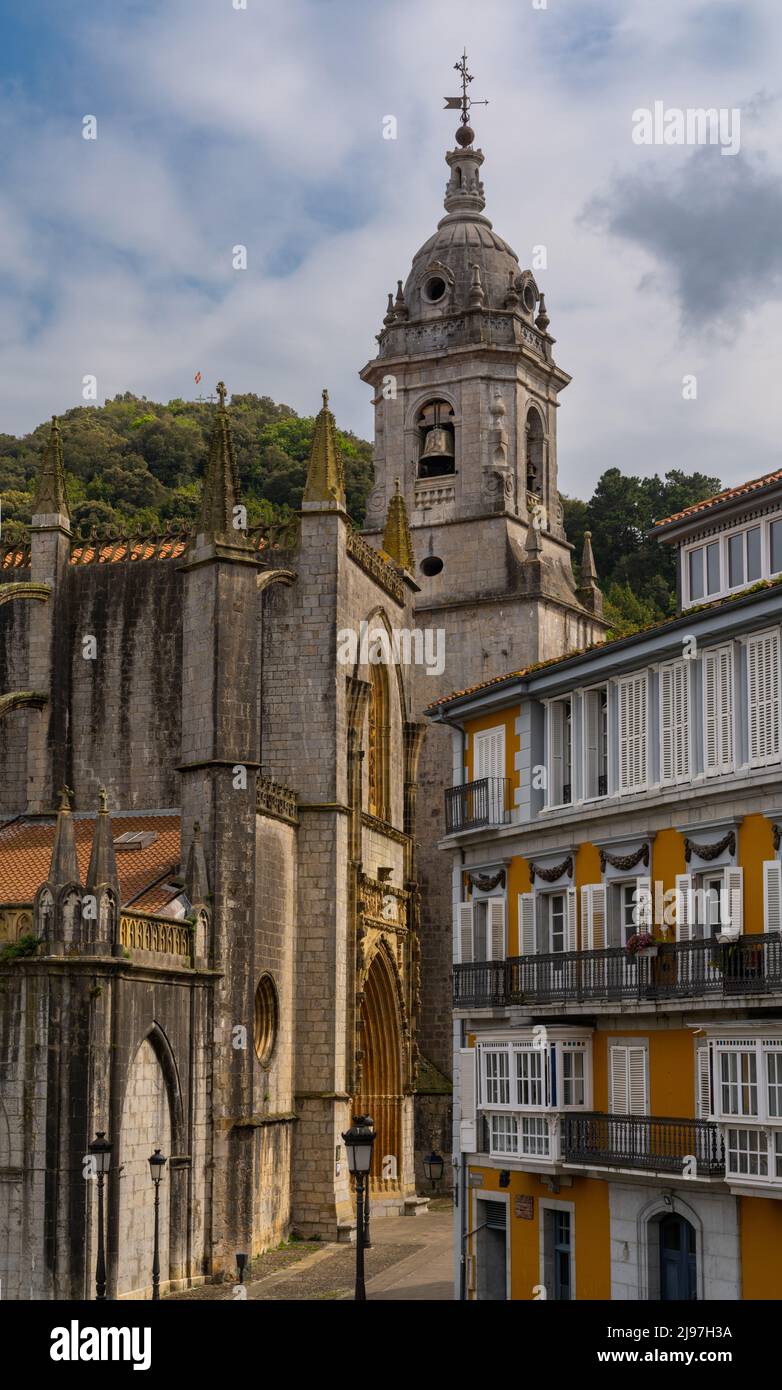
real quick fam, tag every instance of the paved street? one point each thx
(410, 1259)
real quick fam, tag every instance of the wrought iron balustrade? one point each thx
(485, 802)
(675, 969)
(659, 1144)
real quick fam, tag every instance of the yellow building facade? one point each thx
(617, 918)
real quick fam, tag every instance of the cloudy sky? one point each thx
(263, 126)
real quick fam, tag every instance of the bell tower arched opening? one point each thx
(436, 447)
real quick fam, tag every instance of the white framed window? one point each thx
(763, 697)
(746, 1153)
(739, 1082)
(559, 719)
(496, 1076)
(718, 735)
(632, 695)
(704, 571)
(595, 714)
(531, 1089)
(710, 903)
(556, 913)
(573, 1076)
(503, 1134)
(675, 721)
(534, 1136)
(732, 561)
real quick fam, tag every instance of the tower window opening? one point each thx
(434, 289)
(436, 451)
(535, 446)
(431, 565)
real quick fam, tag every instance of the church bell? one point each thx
(437, 444)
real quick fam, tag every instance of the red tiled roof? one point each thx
(26, 849)
(742, 490)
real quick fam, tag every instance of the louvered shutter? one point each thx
(772, 895)
(702, 1083)
(490, 753)
(667, 756)
(467, 1126)
(632, 732)
(618, 1089)
(637, 1081)
(592, 742)
(643, 903)
(556, 752)
(494, 1214)
(465, 932)
(685, 925)
(527, 924)
(763, 695)
(598, 895)
(718, 709)
(570, 925)
(586, 919)
(734, 893)
(496, 909)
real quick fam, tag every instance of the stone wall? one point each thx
(14, 637)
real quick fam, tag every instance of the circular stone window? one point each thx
(530, 298)
(435, 289)
(431, 566)
(265, 1019)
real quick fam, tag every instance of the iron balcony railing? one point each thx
(676, 969)
(485, 802)
(657, 1144)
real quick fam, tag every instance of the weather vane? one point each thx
(464, 101)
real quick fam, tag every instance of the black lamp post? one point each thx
(358, 1143)
(156, 1165)
(433, 1167)
(100, 1149)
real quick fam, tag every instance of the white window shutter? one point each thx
(489, 756)
(599, 939)
(556, 746)
(734, 891)
(718, 709)
(667, 729)
(702, 1079)
(637, 1081)
(643, 903)
(496, 909)
(591, 709)
(772, 895)
(763, 694)
(617, 1081)
(570, 929)
(465, 932)
(527, 924)
(685, 924)
(586, 917)
(467, 1126)
(633, 724)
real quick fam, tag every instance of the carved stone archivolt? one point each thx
(625, 861)
(551, 875)
(712, 851)
(382, 905)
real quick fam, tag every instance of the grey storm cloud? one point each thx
(713, 228)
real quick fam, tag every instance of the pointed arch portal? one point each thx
(381, 1087)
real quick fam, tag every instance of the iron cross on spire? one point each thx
(464, 101)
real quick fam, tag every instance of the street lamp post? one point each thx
(156, 1165)
(358, 1143)
(100, 1149)
(433, 1167)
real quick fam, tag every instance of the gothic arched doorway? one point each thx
(381, 1082)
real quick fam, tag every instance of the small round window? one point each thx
(431, 566)
(435, 288)
(530, 298)
(265, 1019)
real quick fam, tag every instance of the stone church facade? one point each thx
(221, 831)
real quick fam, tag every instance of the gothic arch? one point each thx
(21, 699)
(382, 1078)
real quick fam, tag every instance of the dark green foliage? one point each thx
(17, 950)
(636, 573)
(134, 465)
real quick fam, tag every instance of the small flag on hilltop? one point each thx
(197, 378)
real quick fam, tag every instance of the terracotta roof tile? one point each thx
(26, 848)
(742, 490)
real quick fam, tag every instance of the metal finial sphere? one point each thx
(465, 135)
